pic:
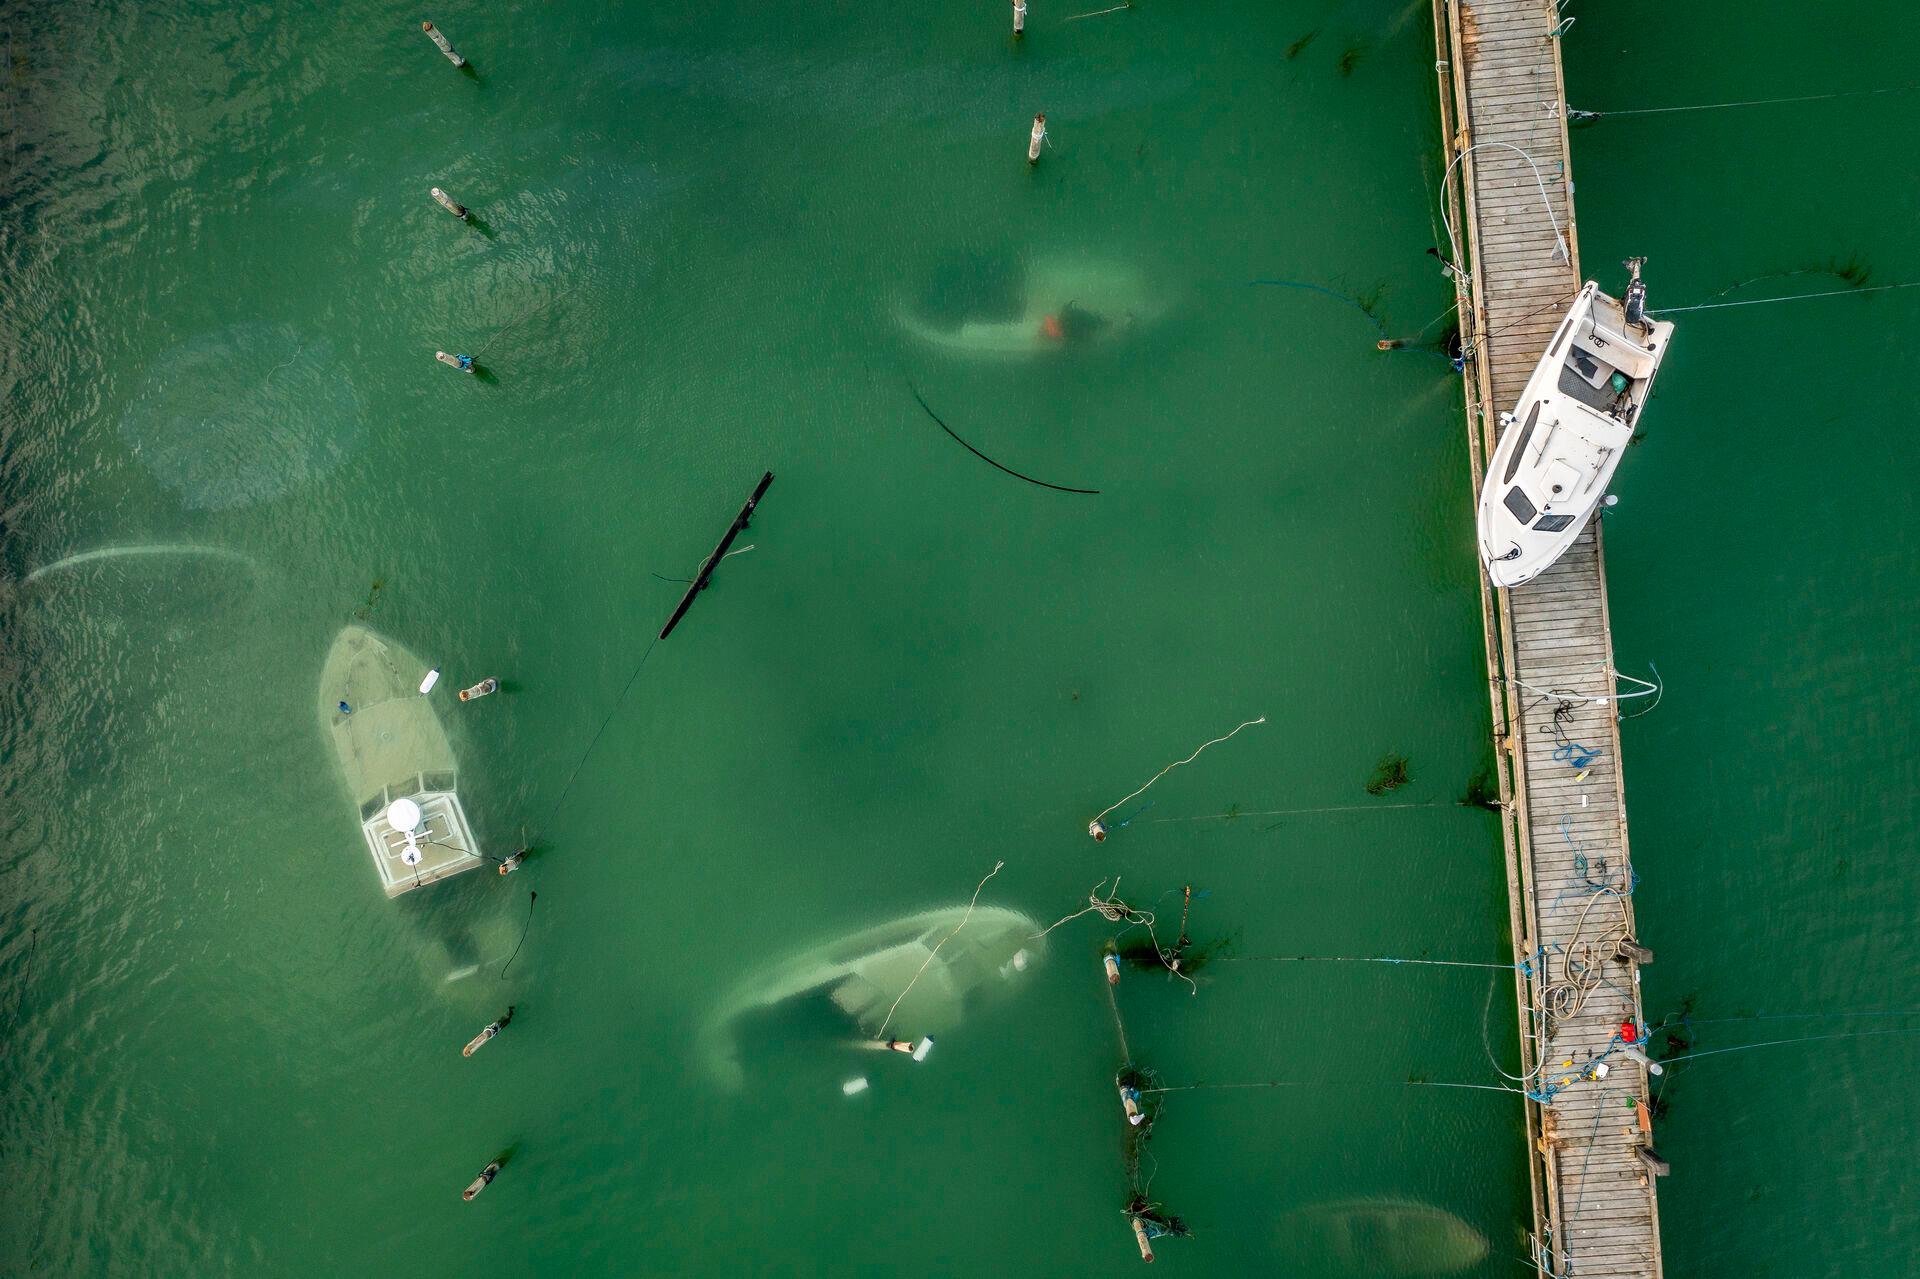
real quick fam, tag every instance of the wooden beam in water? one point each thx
(701, 578)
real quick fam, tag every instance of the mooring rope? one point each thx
(1751, 102)
(1553, 219)
(882, 1032)
(1802, 1039)
(1791, 297)
(1324, 1083)
(611, 712)
(1358, 959)
(1177, 763)
(1126, 1053)
(1115, 911)
(1297, 812)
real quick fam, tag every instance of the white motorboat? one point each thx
(1560, 446)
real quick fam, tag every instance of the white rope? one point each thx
(1538, 181)
(1177, 763)
(882, 1032)
(1791, 297)
(1759, 102)
(1096, 13)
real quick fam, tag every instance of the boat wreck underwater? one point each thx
(398, 765)
(974, 305)
(863, 973)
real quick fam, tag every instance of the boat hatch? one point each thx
(1517, 502)
(1562, 482)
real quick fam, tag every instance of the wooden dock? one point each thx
(1509, 199)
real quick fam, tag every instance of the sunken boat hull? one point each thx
(391, 745)
(865, 972)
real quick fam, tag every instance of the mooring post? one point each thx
(453, 54)
(1039, 136)
(448, 203)
(1019, 17)
(481, 1182)
(462, 362)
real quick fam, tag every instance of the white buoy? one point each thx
(445, 46)
(854, 1087)
(1033, 157)
(404, 815)
(433, 677)
(1111, 962)
(922, 1048)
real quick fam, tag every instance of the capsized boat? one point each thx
(1560, 446)
(974, 306)
(398, 765)
(864, 972)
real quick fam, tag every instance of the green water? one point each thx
(698, 228)
(1763, 556)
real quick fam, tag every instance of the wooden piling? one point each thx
(453, 54)
(448, 203)
(1140, 1237)
(1039, 136)
(1019, 17)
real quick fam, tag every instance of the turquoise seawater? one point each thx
(715, 240)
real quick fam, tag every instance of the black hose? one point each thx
(1058, 488)
(531, 899)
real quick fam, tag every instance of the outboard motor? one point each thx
(1636, 303)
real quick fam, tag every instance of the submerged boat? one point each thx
(863, 973)
(1383, 1237)
(398, 765)
(1561, 444)
(974, 306)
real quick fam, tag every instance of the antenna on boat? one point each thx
(1636, 304)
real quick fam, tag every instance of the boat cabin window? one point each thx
(1522, 509)
(1551, 523)
(1519, 449)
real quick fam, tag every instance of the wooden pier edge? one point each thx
(1521, 34)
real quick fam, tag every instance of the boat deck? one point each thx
(1569, 874)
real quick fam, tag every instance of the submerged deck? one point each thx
(1569, 875)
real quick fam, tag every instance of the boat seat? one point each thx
(1618, 349)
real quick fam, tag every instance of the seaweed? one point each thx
(1299, 46)
(1854, 271)
(365, 611)
(1352, 57)
(1482, 790)
(1192, 958)
(1389, 774)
